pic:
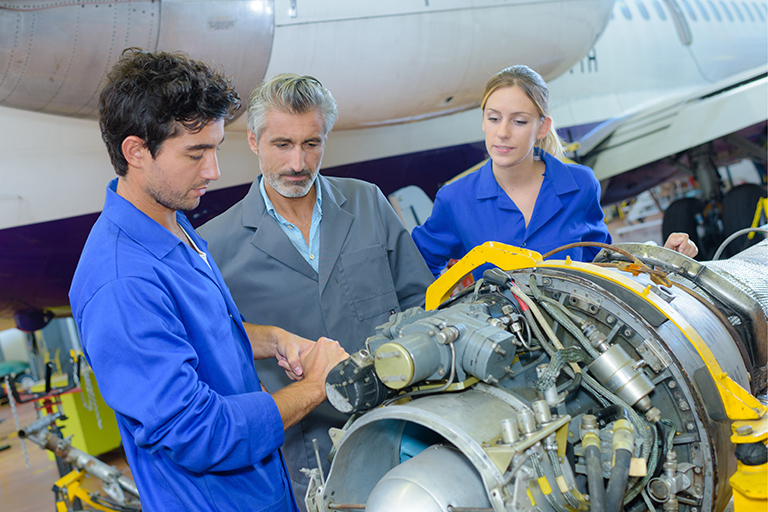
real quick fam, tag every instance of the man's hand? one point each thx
(289, 351)
(321, 358)
(681, 243)
(296, 400)
(268, 341)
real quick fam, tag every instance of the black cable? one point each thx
(664, 447)
(617, 484)
(595, 481)
(612, 413)
(572, 388)
(451, 301)
(108, 503)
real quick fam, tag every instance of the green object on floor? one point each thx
(9, 367)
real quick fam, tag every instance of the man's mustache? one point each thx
(305, 172)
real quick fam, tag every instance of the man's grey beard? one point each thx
(291, 191)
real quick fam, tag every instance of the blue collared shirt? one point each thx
(475, 210)
(172, 358)
(309, 252)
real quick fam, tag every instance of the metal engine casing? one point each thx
(680, 337)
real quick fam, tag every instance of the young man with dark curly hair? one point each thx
(158, 325)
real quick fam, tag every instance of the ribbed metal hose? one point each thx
(741, 269)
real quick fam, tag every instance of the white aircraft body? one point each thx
(407, 76)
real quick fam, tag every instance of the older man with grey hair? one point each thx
(318, 256)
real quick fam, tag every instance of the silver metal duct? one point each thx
(54, 55)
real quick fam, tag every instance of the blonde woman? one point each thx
(524, 195)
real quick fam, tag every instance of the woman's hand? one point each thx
(681, 243)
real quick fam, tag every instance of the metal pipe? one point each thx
(88, 463)
(541, 434)
(39, 425)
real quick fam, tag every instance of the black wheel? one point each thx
(739, 206)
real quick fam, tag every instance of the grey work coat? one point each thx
(369, 268)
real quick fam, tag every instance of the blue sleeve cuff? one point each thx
(264, 422)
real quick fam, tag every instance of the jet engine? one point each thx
(629, 383)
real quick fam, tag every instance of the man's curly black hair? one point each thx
(154, 95)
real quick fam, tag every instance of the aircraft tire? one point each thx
(738, 208)
(680, 217)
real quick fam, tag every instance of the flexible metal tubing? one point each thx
(558, 470)
(564, 317)
(550, 497)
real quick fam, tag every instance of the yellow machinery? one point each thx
(75, 464)
(120, 491)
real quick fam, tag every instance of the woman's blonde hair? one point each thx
(534, 86)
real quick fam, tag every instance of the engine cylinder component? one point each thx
(408, 488)
(541, 412)
(352, 386)
(509, 432)
(526, 420)
(618, 372)
(408, 360)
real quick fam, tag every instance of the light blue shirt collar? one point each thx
(310, 252)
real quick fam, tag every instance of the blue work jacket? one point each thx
(172, 358)
(475, 209)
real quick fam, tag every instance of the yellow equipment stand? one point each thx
(69, 488)
(82, 424)
(750, 483)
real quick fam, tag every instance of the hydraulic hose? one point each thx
(590, 446)
(663, 451)
(617, 485)
(649, 448)
(612, 412)
(622, 455)
(570, 390)
(595, 479)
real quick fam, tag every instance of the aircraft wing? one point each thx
(673, 124)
